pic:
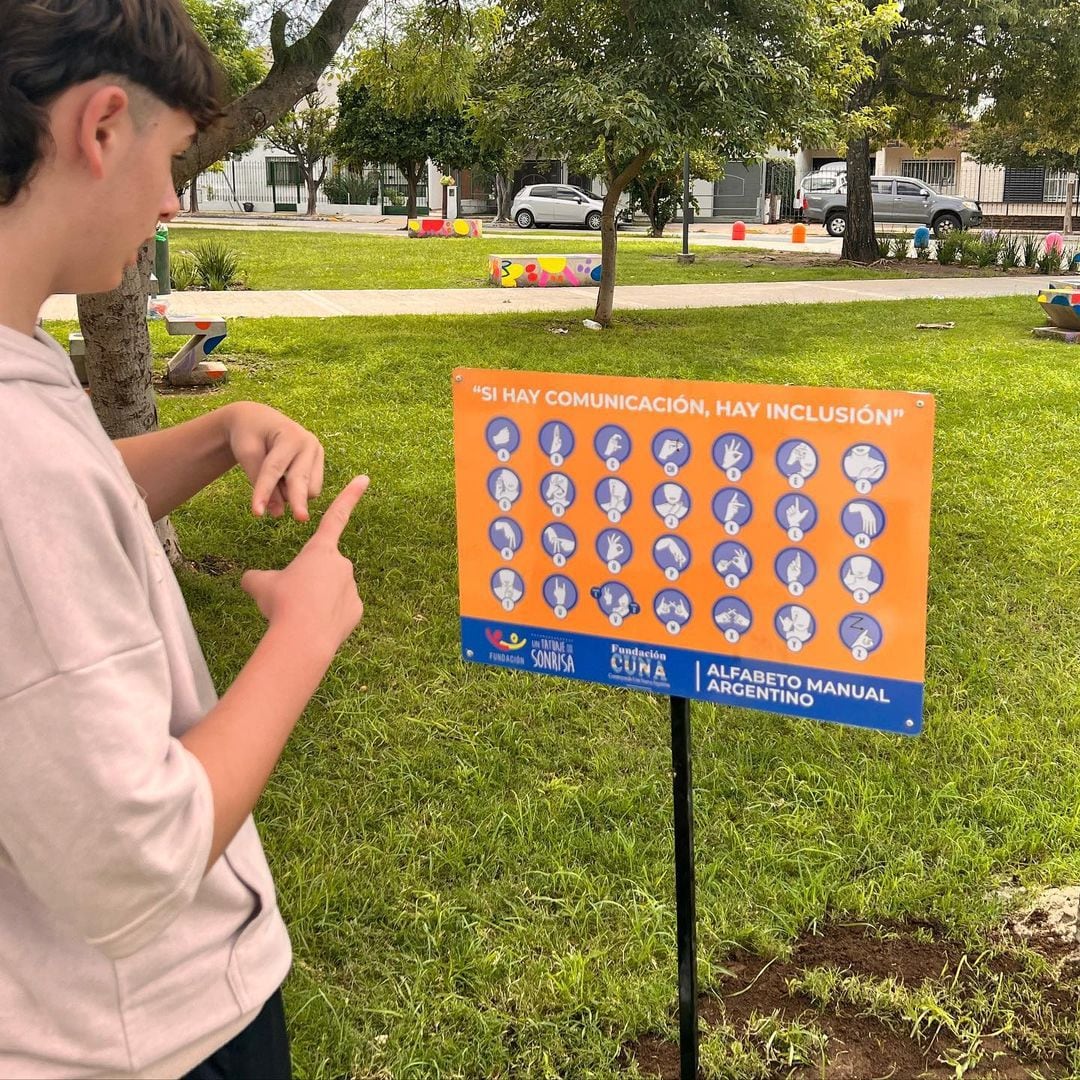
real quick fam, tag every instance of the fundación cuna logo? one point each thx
(510, 644)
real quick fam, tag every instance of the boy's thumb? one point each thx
(254, 582)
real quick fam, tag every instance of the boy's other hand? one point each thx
(283, 460)
(315, 595)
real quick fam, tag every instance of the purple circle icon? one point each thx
(671, 449)
(559, 542)
(504, 486)
(557, 490)
(560, 594)
(862, 577)
(614, 497)
(795, 569)
(732, 562)
(861, 634)
(507, 587)
(672, 555)
(796, 515)
(503, 437)
(557, 441)
(863, 521)
(673, 609)
(732, 508)
(796, 625)
(613, 445)
(864, 465)
(797, 460)
(672, 502)
(506, 536)
(732, 617)
(733, 455)
(614, 548)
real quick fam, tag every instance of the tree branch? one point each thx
(295, 72)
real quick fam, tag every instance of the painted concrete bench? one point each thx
(190, 366)
(460, 227)
(544, 271)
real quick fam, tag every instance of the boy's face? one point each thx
(125, 141)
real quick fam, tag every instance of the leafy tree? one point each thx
(928, 72)
(1033, 118)
(223, 24)
(307, 134)
(635, 79)
(114, 324)
(368, 130)
(658, 189)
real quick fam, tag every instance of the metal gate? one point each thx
(396, 191)
(738, 195)
(284, 177)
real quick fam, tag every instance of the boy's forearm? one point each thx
(239, 741)
(175, 463)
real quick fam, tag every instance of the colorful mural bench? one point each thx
(1061, 302)
(437, 226)
(544, 271)
(190, 366)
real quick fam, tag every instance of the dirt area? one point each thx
(864, 1046)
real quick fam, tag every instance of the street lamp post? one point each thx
(685, 256)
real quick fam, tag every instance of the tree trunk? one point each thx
(503, 197)
(312, 193)
(609, 233)
(860, 238)
(118, 365)
(193, 196)
(412, 180)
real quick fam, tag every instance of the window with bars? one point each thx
(938, 173)
(1057, 184)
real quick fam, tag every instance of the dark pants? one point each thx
(259, 1052)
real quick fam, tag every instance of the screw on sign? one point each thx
(756, 546)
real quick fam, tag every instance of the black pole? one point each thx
(685, 900)
(686, 203)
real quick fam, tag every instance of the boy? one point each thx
(139, 933)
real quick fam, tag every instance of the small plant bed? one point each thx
(857, 1002)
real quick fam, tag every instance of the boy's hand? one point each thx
(315, 595)
(283, 460)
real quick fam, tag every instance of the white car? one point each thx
(556, 204)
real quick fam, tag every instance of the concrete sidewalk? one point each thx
(479, 301)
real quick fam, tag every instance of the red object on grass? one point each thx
(738, 230)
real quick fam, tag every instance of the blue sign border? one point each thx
(865, 701)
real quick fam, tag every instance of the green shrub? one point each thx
(183, 272)
(970, 249)
(1032, 245)
(884, 246)
(217, 266)
(1011, 252)
(989, 250)
(1050, 260)
(901, 246)
(948, 247)
(350, 187)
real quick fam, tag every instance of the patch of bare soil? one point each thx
(860, 1046)
(212, 565)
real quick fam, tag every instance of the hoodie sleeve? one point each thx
(103, 814)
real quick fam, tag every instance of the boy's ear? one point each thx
(100, 122)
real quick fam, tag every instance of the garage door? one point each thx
(738, 195)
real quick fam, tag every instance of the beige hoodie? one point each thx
(118, 956)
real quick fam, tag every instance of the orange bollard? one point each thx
(738, 230)
(798, 234)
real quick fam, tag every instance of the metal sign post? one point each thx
(685, 888)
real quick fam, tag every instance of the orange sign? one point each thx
(757, 545)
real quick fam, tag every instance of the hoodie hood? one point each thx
(37, 359)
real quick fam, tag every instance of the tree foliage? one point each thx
(1035, 83)
(307, 134)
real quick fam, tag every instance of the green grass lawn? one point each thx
(477, 866)
(276, 259)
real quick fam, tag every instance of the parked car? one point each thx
(897, 199)
(556, 204)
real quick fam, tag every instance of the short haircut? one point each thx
(47, 46)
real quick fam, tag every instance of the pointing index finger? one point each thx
(335, 519)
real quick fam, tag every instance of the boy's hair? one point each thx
(47, 46)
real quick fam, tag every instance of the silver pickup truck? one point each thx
(897, 199)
